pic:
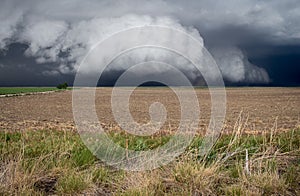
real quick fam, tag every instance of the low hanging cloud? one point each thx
(235, 66)
(61, 33)
(75, 41)
(43, 39)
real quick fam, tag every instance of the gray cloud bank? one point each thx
(59, 33)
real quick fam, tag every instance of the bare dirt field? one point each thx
(258, 109)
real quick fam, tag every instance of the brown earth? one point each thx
(257, 109)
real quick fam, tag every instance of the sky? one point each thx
(253, 42)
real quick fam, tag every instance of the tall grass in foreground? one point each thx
(55, 162)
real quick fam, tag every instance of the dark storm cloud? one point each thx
(18, 70)
(54, 36)
(281, 62)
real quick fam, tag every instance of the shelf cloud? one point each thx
(54, 36)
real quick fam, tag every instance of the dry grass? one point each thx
(54, 162)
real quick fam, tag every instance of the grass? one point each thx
(19, 90)
(56, 162)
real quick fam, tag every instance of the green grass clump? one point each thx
(139, 143)
(19, 90)
(72, 183)
(56, 162)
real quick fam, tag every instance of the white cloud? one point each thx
(235, 66)
(277, 18)
(72, 27)
(44, 39)
(9, 18)
(231, 63)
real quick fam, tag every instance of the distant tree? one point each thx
(62, 86)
